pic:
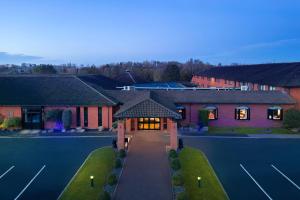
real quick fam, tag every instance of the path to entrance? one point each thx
(146, 173)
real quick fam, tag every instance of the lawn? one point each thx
(99, 164)
(247, 130)
(194, 164)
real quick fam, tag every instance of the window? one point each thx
(181, 110)
(165, 123)
(275, 113)
(78, 122)
(212, 112)
(271, 88)
(85, 117)
(242, 113)
(263, 87)
(100, 116)
(149, 123)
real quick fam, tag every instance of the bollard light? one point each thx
(92, 181)
(199, 181)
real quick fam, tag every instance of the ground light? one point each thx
(199, 181)
(92, 181)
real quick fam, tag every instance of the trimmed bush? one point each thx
(112, 179)
(173, 154)
(122, 153)
(182, 196)
(118, 163)
(291, 119)
(203, 117)
(13, 122)
(67, 118)
(54, 115)
(177, 180)
(175, 164)
(104, 195)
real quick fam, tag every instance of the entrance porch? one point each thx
(147, 112)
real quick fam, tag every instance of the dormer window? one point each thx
(242, 113)
(275, 113)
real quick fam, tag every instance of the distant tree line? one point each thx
(149, 71)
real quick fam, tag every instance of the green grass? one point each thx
(99, 164)
(247, 130)
(194, 164)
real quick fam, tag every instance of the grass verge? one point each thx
(248, 130)
(99, 164)
(194, 164)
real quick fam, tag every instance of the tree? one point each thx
(171, 73)
(44, 69)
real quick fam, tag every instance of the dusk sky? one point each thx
(98, 32)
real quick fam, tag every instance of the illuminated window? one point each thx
(149, 123)
(242, 113)
(263, 87)
(275, 113)
(271, 88)
(212, 113)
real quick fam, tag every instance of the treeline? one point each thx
(148, 71)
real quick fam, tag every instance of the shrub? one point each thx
(173, 154)
(175, 164)
(291, 119)
(112, 179)
(1, 119)
(177, 180)
(118, 163)
(104, 195)
(115, 125)
(67, 118)
(53, 115)
(203, 117)
(182, 196)
(122, 153)
(13, 122)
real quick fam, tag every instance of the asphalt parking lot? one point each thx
(254, 168)
(40, 168)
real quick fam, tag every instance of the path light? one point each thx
(92, 181)
(199, 181)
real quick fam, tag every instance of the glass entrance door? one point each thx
(149, 123)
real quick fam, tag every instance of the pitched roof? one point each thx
(210, 96)
(274, 74)
(100, 82)
(147, 104)
(49, 90)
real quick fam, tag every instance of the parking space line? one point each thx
(6, 172)
(286, 177)
(255, 182)
(30, 182)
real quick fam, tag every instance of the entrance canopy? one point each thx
(148, 105)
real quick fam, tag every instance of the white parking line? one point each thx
(255, 182)
(285, 176)
(6, 172)
(30, 182)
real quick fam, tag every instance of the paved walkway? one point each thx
(146, 173)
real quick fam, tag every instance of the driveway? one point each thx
(40, 168)
(253, 168)
(146, 173)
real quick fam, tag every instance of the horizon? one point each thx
(80, 32)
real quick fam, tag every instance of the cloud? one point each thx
(7, 58)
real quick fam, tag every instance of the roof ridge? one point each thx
(92, 88)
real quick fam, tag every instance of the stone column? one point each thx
(121, 135)
(173, 135)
